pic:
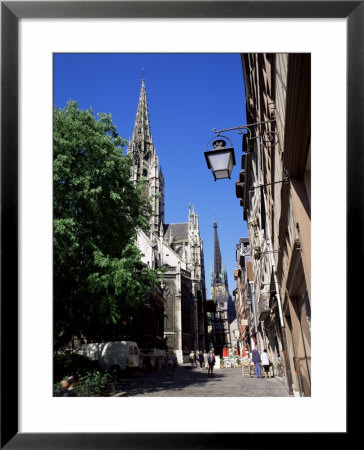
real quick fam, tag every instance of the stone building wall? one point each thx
(278, 213)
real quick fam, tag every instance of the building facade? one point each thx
(244, 298)
(176, 247)
(274, 187)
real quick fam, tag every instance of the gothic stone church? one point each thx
(176, 246)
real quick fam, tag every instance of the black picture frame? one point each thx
(11, 12)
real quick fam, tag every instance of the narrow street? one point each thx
(194, 382)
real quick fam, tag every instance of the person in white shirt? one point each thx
(265, 362)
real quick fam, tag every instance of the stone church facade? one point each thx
(177, 247)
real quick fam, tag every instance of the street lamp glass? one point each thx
(220, 162)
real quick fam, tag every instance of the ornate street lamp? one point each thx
(220, 159)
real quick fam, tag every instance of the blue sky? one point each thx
(188, 95)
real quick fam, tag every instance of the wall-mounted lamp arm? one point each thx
(242, 127)
(267, 139)
(285, 180)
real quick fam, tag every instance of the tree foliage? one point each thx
(99, 278)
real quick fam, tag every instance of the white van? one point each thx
(116, 357)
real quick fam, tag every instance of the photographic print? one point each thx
(35, 412)
(182, 224)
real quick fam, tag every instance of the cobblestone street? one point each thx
(194, 382)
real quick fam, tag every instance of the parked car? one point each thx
(117, 357)
(152, 358)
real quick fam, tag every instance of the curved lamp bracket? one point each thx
(268, 139)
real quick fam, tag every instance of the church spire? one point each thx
(217, 278)
(145, 163)
(142, 134)
(141, 147)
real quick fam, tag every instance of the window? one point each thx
(131, 350)
(135, 351)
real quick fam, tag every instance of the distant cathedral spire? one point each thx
(217, 276)
(220, 295)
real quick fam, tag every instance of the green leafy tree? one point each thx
(99, 278)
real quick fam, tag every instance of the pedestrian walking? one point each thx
(256, 360)
(265, 362)
(201, 359)
(211, 360)
(206, 363)
(192, 358)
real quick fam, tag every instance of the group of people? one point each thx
(68, 387)
(206, 360)
(261, 358)
(201, 357)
